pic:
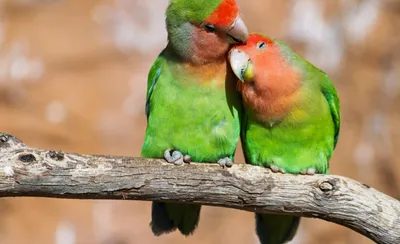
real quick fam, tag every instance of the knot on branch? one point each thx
(4, 138)
(27, 158)
(327, 187)
(9, 142)
(56, 155)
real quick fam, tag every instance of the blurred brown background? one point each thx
(73, 77)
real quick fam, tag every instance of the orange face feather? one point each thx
(272, 91)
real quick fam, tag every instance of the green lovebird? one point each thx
(192, 107)
(291, 118)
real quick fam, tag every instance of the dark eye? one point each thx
(261, 45)
(209, 28)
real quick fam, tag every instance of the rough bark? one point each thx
(26, 171)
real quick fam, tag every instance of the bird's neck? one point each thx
(190, 72)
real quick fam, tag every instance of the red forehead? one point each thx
(256, 38)
(225, 14)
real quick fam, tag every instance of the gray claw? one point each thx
(229, 163)
(225, 162)
(309, 171)
(187, 159)
(175, 158)
(179, 161)
(274, 168)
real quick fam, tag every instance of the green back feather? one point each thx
(332, 98)
(154, 74)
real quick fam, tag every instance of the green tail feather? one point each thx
(167, 217)
(276, 229)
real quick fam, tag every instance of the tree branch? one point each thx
(27, 171)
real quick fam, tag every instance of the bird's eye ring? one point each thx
(209, 27)
(261, 45)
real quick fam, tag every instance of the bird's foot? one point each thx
(276, 169)
(309, 171)
(176, 157)
(225, 162)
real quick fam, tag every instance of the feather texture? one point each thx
(291, 120)
(191, 103)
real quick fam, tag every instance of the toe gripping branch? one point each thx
(176, 157)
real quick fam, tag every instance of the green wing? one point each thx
(323, 79)
(331, 96)
(154, 74)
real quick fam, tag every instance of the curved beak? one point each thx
(241, 65)
(238, 32)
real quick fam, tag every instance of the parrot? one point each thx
(192, 106)
(290, 121)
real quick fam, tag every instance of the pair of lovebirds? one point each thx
(285, 109)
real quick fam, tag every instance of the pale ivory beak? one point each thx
(238, 32)
(239, 62)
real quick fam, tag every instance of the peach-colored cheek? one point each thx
(208, 46)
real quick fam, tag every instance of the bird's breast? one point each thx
(268, 107)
